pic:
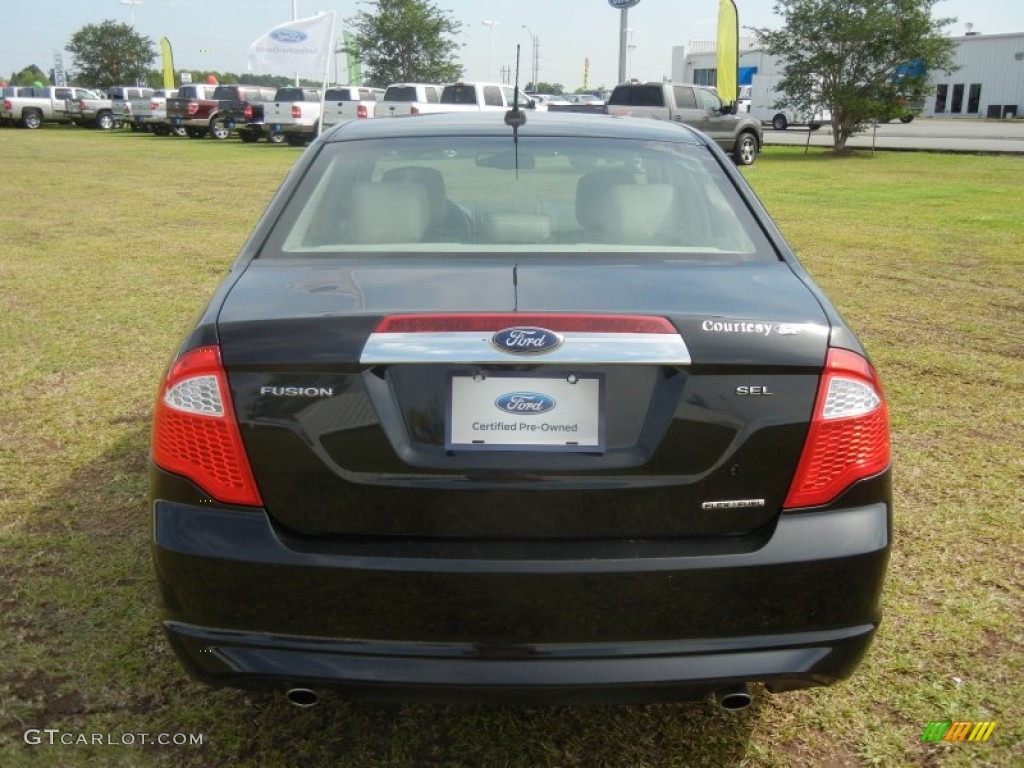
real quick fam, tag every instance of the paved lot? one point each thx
(922, 134)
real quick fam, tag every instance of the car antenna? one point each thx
(515, 117)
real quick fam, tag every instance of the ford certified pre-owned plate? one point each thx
(525, 413)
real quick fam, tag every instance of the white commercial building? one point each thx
(988, 80)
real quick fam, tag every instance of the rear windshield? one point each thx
(296, 94)
(341, 94)
(458, 94)
(544, 194)
(400, 93)
(638, 96)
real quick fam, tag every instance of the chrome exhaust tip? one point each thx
(302, 697)
(734, 698)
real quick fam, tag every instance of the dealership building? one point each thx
(988, 79)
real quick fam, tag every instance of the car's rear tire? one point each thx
(31, 119)
(219, 128)
(162, 130)
(195, 133)
(295, 140)
(779, 122)
(745, 151)
(104, 121)
(275, 137)
(180, 131)
(249, 137)
(907, 119)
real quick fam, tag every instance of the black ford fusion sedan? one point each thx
(540, 412)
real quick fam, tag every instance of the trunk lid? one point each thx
(348, 436)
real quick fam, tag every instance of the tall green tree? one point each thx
(110, 54)
(29, 76)
(856, 58)
(406, 41)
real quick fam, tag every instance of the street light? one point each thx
(536, 55)
(131, 4)
(490, 43)
(630, 48)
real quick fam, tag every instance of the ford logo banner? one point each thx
(525, 403)
(288, 35)
(525, 340)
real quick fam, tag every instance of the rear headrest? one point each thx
(516, 227)
(591, 186)
(433, 183)
(634, 213)
(396, 212)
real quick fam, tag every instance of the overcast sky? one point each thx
(216, 34)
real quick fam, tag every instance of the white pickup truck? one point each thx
(298, 119)
(30, 107)
(150, 113)
(468, 97)
(93, 111)
(292, 116)
(404, 99)
(121, 98)
(350, 102)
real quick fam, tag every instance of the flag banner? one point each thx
(301, 47)
(168, 57)
(728, 49)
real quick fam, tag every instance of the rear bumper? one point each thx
(245, 605)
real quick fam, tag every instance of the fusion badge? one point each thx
(526, 340)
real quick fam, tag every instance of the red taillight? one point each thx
(195, 433)
(193, 107)
(247, 112)
(849, 435)
(7, 105)
(81, 106)
(361, 111)
(154, 106)
(414, 110)
(296, 111)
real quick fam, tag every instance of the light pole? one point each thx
(630, 47)
(536, 55)
(490, 43)
(131, 4)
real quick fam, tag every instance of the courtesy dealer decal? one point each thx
(755, 328)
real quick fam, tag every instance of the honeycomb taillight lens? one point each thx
(195, 433)
(849, 435)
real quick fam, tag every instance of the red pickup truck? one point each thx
(217, 113)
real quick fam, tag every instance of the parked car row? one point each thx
(292, 114)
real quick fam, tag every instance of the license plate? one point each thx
(525, 413)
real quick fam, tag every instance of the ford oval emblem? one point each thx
(526, 340)
(288, 35)
(525, 403)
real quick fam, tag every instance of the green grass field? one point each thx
(109, 242)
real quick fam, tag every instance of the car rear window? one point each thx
(638, 96)
(458, 94)
(543, 194)
(400, 93)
